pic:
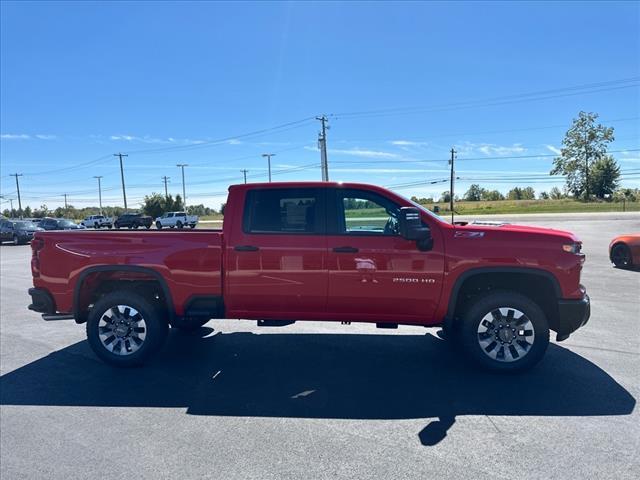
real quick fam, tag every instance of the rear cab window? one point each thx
(284, 211)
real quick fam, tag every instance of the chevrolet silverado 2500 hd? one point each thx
(318, 251)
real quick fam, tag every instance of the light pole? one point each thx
(99, 191)
(184, 193)
(269, 155)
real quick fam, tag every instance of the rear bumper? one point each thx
(572, 314)
(41, 301)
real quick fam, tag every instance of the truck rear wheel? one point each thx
(505, 331)
(125, 330)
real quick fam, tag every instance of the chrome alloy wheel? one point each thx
(506, 334)
(122, 330)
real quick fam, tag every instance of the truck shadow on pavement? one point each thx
(350, 376)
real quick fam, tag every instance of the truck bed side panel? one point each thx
(190, 262)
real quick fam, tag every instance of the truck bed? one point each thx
(190, 262)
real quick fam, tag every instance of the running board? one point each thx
(50, 317)
(275, 323)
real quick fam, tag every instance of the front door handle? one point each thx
(246, 248)
(345, 250)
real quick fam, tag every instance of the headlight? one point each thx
(575, 247)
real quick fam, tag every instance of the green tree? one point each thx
(603, 179)
(27, 212)
(528, 193)
(584, 143)
(222, 207)
(515, 194)
(556, 194)
(491, 195)
(474, 194)
(445, 197)
(544, 196)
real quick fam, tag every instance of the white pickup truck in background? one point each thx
(177, 220)
(97, 221)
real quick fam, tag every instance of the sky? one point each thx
(216, 85)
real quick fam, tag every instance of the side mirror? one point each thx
(411, 228)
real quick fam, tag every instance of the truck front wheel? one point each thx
(125, 330)
(505, 331)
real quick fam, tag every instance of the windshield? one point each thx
(25, 225)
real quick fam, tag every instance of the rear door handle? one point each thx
(246, 248)
(345, 249)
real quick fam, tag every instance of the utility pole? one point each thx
(322, 144)
(18, 189)
(453, 157)
(244, 172)
(268, 155)
(184, 192)
(166, 192)
(65, 203)
(124, 193)
(99, 191)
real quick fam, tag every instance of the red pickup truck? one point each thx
(318, 251)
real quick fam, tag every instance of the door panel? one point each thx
(276, 265)
(375, 274)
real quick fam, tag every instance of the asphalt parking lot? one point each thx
(316, 400)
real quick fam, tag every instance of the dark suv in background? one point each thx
(133, 220)
(59, 224)
(19, 231)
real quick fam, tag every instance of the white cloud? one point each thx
(233, 141)
(15, 136)
(407, 143)
(153, 140)
(490, 148)
(553, 149)
(46, 137)
(357, 152)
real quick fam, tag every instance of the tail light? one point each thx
(37, 244)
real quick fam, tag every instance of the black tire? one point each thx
(116, 226)
(96, 225)
(179, 224)
(193, 225)
(159, 225)
(147, 226)
(505, 332)
(155, 329)
(621, 256)
(189, 324)
(16, 240)
(109, 226)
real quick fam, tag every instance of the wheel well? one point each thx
(94, 285)
(617, 244)
(538, 288)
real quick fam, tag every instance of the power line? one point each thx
(502, 100)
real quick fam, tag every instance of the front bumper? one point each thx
(572, 314)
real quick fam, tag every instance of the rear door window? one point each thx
(286, 211)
